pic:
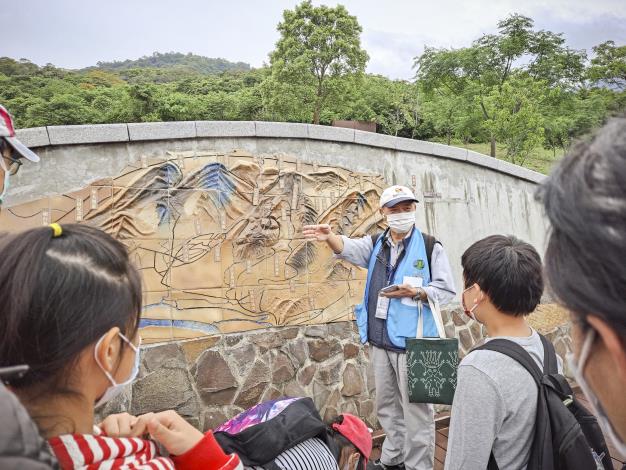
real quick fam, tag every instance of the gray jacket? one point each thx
(21, 446)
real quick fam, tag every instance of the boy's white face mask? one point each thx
(116, 388)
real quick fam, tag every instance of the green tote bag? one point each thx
(432, 362)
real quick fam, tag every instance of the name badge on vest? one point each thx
(382, 307)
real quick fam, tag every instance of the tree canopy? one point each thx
(318, 47)
(522, 94)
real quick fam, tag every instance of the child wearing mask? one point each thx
(495, 402)
(71, 302)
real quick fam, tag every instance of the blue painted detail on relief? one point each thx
(216, 176)
(185, 324)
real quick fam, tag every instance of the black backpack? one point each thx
(566, 435)
(265, 431)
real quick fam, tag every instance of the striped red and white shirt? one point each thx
(86, 451)
(100, 452)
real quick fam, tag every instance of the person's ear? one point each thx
(479, 295)
(108, 350)
(613, 344)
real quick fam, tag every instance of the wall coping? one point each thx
(145, 131)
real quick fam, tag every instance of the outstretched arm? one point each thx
(354, 250)
(324, 233)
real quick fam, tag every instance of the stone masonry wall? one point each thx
(209, 380)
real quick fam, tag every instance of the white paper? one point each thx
(413, 282)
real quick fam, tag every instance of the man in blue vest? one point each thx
(417, 267)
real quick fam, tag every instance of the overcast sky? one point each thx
(78, 33)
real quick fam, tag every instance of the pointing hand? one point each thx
(317, 232)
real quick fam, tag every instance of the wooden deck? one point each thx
(441, 441)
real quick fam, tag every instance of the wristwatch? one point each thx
(421, 293)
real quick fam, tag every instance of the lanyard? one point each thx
(390, 270)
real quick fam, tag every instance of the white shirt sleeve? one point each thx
(357, 250)
(441, 286)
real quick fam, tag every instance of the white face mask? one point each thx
(116, 388)
(401, 222)
(5, 187)
(471, 311)
(577, 367)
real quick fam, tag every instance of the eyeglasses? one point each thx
(9, 164)
(14, 165)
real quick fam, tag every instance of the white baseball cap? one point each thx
(396, 194)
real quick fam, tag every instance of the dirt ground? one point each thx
(547, 317)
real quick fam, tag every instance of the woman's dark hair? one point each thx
(585, 201)
(58, 296)
(508, 270)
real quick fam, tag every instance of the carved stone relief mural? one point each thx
(218, 238)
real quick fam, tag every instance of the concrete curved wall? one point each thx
(464, 195)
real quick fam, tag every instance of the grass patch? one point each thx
(541, 160)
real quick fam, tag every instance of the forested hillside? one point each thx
(521, 94)
(171, 63)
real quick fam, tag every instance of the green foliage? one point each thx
(523, 87)
(176, 60)
(516, 118)
(521, 93)
(318, 46)
(609, 65)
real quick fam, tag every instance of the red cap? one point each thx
(7, 132)
(356, 431)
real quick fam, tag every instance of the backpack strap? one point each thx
(516, 352)
(430, 242)
(378, 235)
(519, 354)
(374, 238)
(492, 464)
(550, 365)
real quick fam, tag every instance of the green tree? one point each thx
(317, 46)
(144, 101)
(492, 60)
(516, 119)
(452, 115)
(61, 109)
(609, 65)
(392, 104)
(569, 115)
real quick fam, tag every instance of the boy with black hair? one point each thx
(496, 398)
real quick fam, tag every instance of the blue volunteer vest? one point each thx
(401, 319)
